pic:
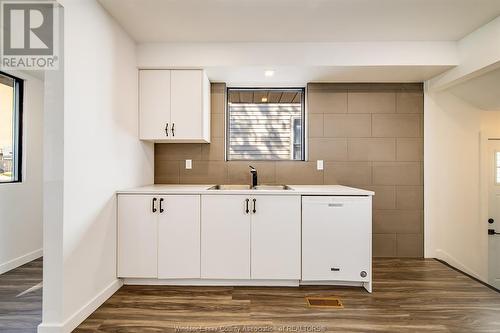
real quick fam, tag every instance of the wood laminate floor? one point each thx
(410, 295)
(21, 298)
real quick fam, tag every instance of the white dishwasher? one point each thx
(337, 239)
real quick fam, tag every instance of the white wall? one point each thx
(304, 54)
(102, 153)
(243, 64)
(21, 203)
(454, 226)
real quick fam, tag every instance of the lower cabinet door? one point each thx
(225, 237)
(336, 238)
(137, 236)
(276, 237)
(179, 237)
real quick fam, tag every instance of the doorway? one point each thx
(493, 160)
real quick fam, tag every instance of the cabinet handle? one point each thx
(173, 129)
(154, 205)
(247, 210)
(166, 129)
(254, 206)
(161, 205)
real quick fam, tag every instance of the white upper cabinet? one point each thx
(154, 104)
(174, 105)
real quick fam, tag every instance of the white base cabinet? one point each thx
(336, 238)
(250, 237)
(275, 233)
(225, 239)
(159, 236)
(179, 237)
(137, 236)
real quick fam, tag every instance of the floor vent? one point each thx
(324, 302)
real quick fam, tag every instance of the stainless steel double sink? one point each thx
(248, 187)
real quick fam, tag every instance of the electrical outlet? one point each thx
(189, 164)
(319, 164)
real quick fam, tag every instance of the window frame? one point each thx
(17, 119)
(227, 125)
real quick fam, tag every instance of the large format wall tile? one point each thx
(396, 125)
(384, 198)
(397, 173)
(372, 149)
(397, 221)
(410, 149)
(371, 102)
(325, 101)
(348, 173)
(409, 245)
(204, 172)
(316, 122)
(298, 173)
(410, 102)
(239, 172)
(177, 152)
(215, 151)
(329, 149)
(369, 135)
(384, 245)
(347, 125)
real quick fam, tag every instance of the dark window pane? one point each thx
(10, 127)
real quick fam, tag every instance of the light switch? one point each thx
(189, 164)
(319, 164)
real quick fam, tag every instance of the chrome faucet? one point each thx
(253, 171)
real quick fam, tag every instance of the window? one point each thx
(11, 92)
(265, 124)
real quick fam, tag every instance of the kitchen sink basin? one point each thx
(248, 187)
(272, 187)
(230, 187)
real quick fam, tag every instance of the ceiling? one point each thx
(300, 20)
(483, 91)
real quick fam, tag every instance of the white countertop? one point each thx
(204, 189)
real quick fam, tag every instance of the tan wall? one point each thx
(369, 135)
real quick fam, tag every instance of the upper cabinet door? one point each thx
(187, 105)
(154, 104)
(225, 237)
(137, 236)
(276, 237)
(179, 237)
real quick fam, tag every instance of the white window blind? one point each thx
(265, 124)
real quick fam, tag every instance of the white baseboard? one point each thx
(79, 316)
(440, 254)
(19, 261)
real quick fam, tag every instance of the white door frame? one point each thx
(484, 137)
